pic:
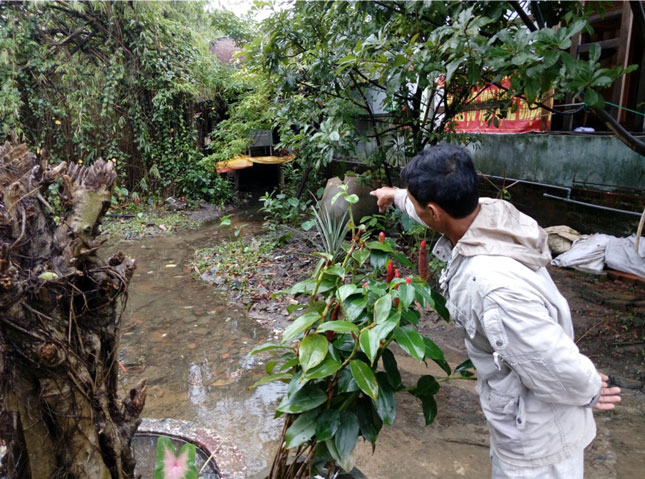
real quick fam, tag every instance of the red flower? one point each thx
(390, 272)
(381, 237)
(423, 261)
(408, 280)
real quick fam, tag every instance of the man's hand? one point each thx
(384, 197)
(608, 396)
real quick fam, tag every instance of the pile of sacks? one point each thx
(593, 252)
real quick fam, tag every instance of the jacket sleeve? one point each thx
(403, 203)
(521, 331)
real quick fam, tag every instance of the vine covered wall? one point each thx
(131, 82)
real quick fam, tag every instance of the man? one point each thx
(535, 388)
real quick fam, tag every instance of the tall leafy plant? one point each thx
(337, 360)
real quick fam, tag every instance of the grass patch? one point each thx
(147, 223)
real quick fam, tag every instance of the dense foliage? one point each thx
(342, 376)
(378, 81)
(133, 82)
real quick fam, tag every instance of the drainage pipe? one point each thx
(535, 183)
(582, 203)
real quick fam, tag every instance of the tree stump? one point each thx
(60, 319)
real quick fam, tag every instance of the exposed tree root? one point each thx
(60, 318)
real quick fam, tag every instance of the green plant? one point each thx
(198, 183)
(233, 262)
(173, 465)
(280, 209)
(336, 357)
(332, 231)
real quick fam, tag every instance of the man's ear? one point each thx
(435, 210)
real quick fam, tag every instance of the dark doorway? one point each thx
(259, 179)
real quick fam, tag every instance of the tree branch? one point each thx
(537, 12)
(525, 18)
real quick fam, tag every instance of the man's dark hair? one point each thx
(445, 175)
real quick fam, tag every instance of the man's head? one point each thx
(443, 175)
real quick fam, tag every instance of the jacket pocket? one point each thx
(537, 375)
(506, 417)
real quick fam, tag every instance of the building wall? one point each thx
(560, 159)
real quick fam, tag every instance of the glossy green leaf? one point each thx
(378, 246)
(431, 349)
(347, 290)
(406, 295)
(300, 325)
(270, 366)
(307, 398)
(342, 327)
(361, 256)
(267, 347)
(429, 406)
(312, 351)
(410, 341)
(410, 316)
(382, 308)
(391, 369)
(295, 384)
(426, 386)
(272, 378)
(440, 305)
(385, 402)
(368, 420)
(423, 295)
(352, 199)
(301, 430)
(346, 382)
(354, 306)
(289, 364)
(328, 367)
(369, 343)
(364, 377)
(378, 259)
(347, 433)
(327, 424)
(336, 270)
(436, 354)
(384, 329)
(464, 368)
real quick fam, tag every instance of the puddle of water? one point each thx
(192, 346)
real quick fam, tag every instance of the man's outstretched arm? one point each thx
(384, 197)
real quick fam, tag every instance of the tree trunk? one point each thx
(60, 317)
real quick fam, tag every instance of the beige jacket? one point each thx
(535, 387)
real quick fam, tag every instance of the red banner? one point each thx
(523, 120)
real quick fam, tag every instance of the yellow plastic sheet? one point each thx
(240, 162)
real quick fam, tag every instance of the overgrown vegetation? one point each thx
(130, 82)
(232, 263)
(342, 377)
(377, 81)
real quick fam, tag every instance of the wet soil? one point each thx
(191, 341)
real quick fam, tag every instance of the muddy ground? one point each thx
(191, 340)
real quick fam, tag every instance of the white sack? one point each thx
(587, 252)
(621, 255)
